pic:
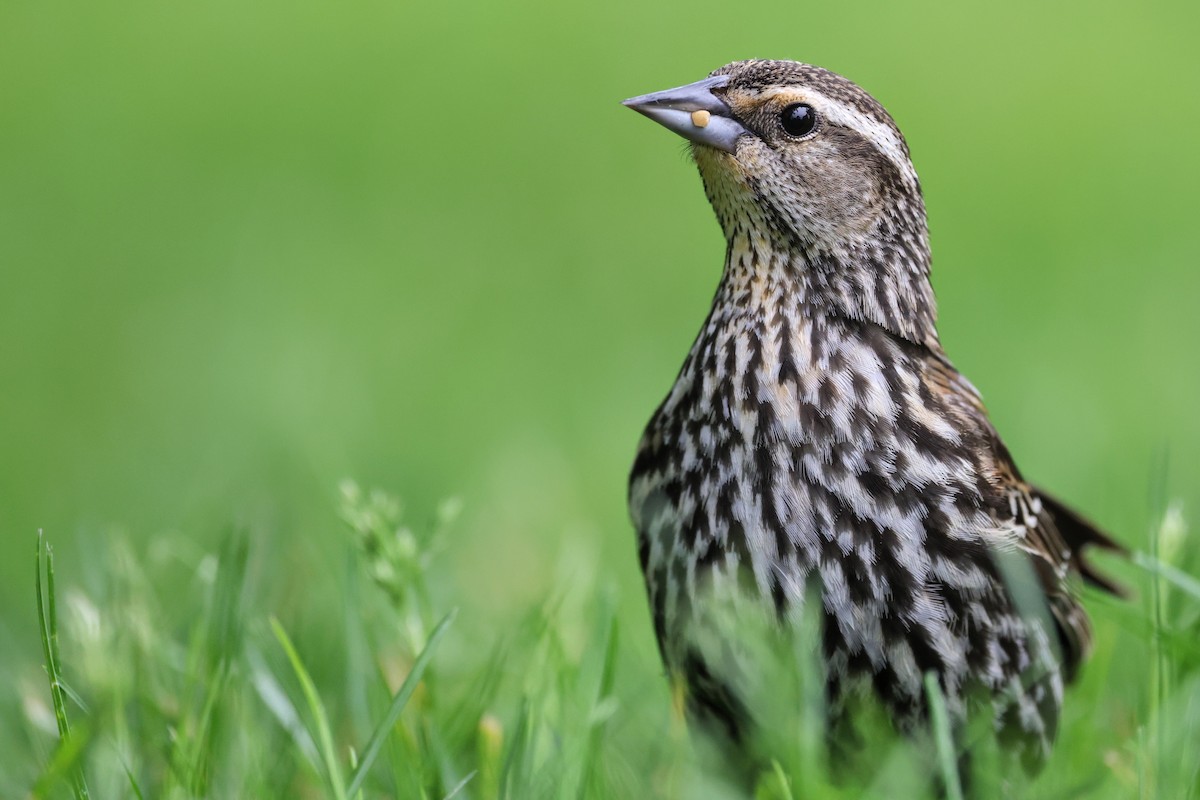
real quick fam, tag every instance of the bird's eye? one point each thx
(798, 119)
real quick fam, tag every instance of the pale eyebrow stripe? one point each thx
(880, 134)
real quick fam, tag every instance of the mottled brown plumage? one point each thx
(819, 447)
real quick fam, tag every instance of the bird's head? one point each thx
(803, 166)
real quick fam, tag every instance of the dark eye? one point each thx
(798, 119)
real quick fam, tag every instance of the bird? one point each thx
(820, 457)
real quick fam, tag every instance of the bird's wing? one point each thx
(1054, 536)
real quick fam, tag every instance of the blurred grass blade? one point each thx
(943, 738)
(785, 786)
(72, 695)
(513, 777)
(333, 771)
(280, 705)
(133, 784)
(48, 627)
(196, 750)
(358, 651)
(459, 786)
(601, 709)
(229, 587)
(63, 762)
(1178, 578)
(371, 752)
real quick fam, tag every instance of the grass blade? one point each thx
(64, 762)
(72, 695)
(280, 705)
(603, 696)
(133, 784)
(1173, 575)
(943, 738)
(785, 786)
(333, 771)
(513, 777)
(48, 627)
(371, 752)
(458, 787)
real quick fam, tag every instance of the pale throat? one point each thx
(880, 275)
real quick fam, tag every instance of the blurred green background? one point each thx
(248, 249)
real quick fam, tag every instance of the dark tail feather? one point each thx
(1079, 533)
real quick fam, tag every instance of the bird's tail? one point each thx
(1079, 533)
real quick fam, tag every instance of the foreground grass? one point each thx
(202, 687)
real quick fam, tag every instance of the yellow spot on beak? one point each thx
(700, 118)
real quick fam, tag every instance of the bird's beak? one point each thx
(693, 112)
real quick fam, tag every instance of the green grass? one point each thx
(247, 249)
(196, 688)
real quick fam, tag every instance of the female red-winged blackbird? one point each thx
(818, 447)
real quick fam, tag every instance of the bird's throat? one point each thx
(884, 282)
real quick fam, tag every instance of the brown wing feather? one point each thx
(1055, 537)
(1052, 558)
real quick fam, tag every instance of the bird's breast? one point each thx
(789, 442)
